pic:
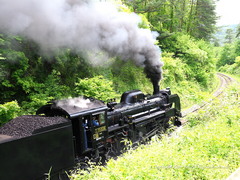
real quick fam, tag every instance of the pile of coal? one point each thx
(24, 126)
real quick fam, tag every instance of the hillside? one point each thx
(206, 148)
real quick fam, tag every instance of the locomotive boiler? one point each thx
(65, 132)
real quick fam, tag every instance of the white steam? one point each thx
(83, 26)
(73, 105)
(79, 102)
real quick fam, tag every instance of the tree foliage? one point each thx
(194, 17)
(229, 36)
(8, 111)
(33, 79)
(96, 87)
(238, 31)
(197, 55)
(233, 68)
(229, 53)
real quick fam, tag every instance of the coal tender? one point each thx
(69, 131)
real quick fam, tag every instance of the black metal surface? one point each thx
(133, 96)
(174, 99)
(72, 108)
(89, 111)
(123, 110)
(31, 157)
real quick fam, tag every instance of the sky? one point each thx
(229, 10)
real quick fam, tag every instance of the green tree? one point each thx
(237, 48)
(8, 111)
(229, 36)
(195, 17)
(204, 19)
(194, 54)
(227, 55)
(97, 87)
(238, 31)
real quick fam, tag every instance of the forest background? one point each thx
(190, 51)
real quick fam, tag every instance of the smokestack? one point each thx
(87, 27)
(156, 87)
(154, 73)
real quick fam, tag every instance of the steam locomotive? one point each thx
(65, 132)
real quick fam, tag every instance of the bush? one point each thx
(233, 69)
(227, 55)
(96, 87)
(177, 75)
(198, 56)
(8, 111)
(209, 150)
(40, 93)
(174, 70)
(127, 76)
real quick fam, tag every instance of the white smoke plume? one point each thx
(83, 26)
(77, 104)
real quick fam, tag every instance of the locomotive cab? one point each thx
(91, 131)
(88, 117)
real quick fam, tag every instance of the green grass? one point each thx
(208, 147)
(192, 93)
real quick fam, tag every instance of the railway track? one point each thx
(225, 81)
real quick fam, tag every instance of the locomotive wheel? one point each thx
(177, 122)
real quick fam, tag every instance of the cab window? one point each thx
(102, 118)
(98, 119)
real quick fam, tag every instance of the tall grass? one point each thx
(208, 147)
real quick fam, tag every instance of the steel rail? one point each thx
(225, 81)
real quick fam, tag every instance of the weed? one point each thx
(207, 148)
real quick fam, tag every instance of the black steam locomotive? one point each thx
(67, 131)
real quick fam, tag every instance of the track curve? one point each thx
(225, 81)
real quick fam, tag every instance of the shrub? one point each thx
(177, 75)
(127, 76)
(96, 87)
(233, 68)
(198, 56)
(8, 111)
(40, 93)
(209, 150)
